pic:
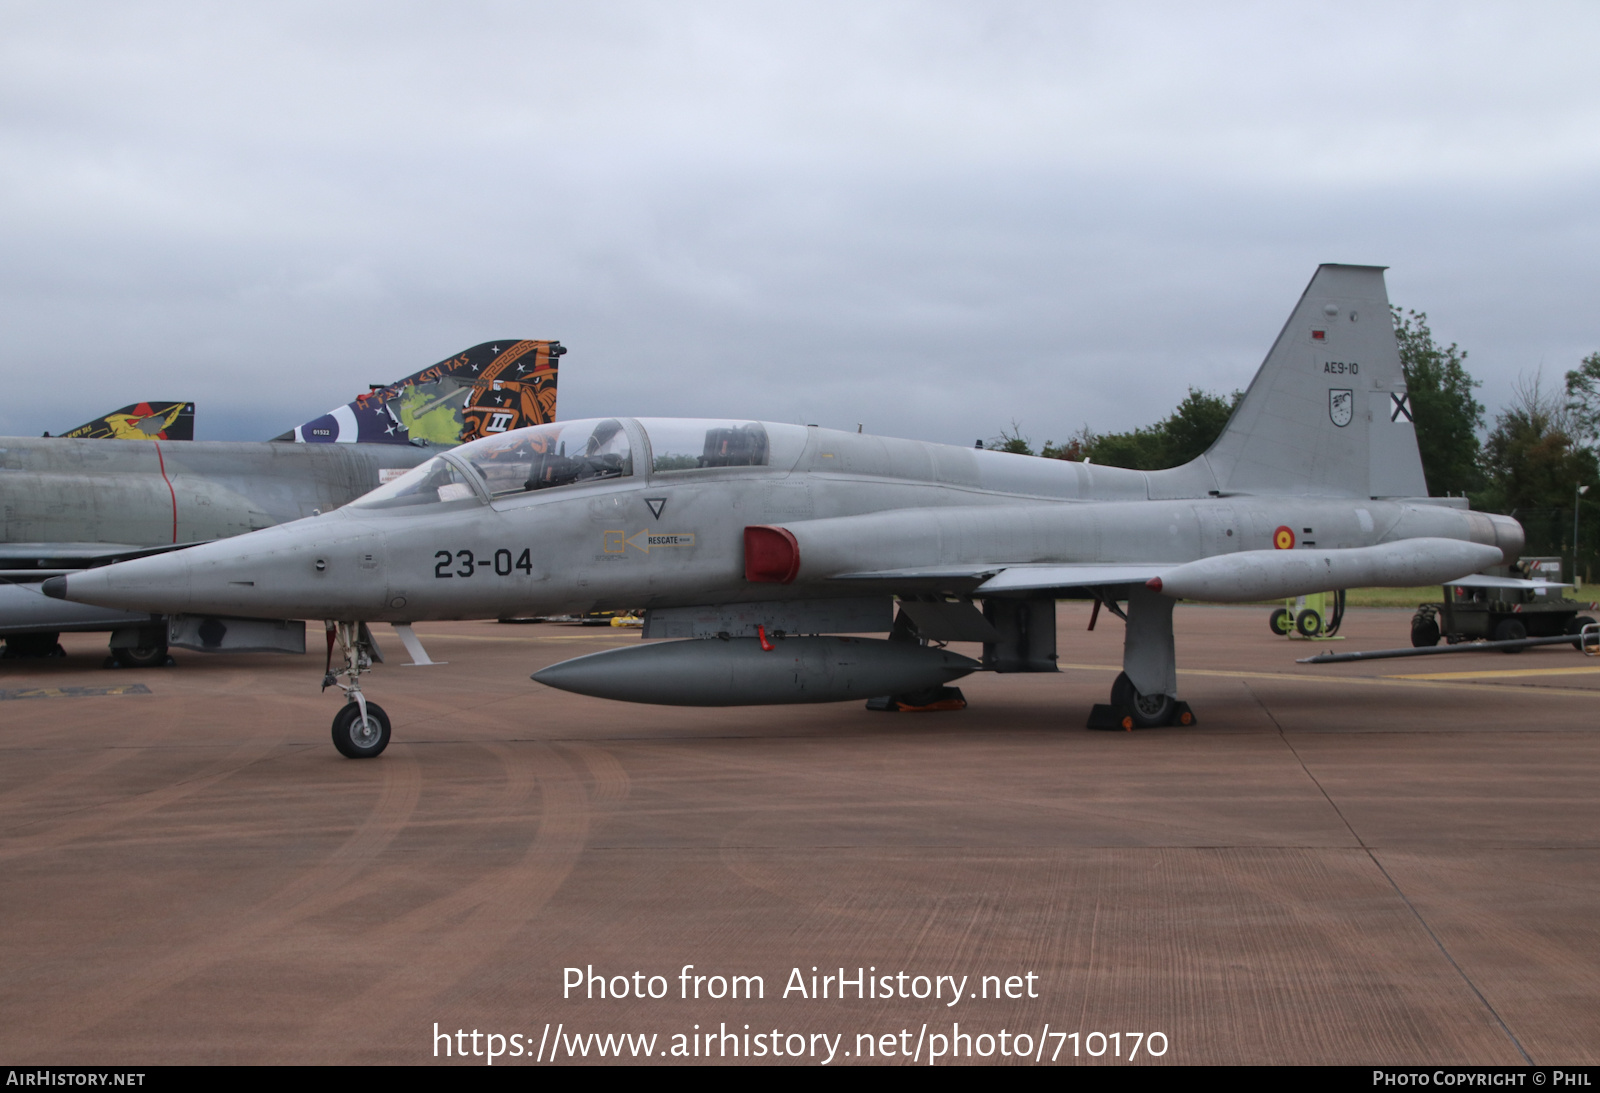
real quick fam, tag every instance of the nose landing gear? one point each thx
(361, 728)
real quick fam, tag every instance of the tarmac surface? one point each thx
(1381, 863)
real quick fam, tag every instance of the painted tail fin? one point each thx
(141, 421)
(1328, 413)
(490, 388)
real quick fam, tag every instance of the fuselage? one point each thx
(641, 524)
(144, 493)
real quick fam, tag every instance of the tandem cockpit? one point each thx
(572, 453)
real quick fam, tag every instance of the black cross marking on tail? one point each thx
(657, 504)
(1399, 407)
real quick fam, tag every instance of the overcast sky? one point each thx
(928, 218)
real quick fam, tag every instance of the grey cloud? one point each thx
(929, 218)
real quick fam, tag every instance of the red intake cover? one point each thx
(771, 555)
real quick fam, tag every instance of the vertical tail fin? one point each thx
(1328, 412)
(141, 421)
(490, 388)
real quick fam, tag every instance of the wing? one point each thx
(996, 579)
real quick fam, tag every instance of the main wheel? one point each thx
(1509, 630)
(1576, 626)
(1147, 711)
(356, 739)
(1424, 630)
(33, 645)
(1308, 623)
(1281, 622)
(146, 656)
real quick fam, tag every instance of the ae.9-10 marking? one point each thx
(462, 563)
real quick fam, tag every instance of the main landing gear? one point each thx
(361, 728)
(1144, 695)
(1129, 709)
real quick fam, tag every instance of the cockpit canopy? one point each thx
(541, 456)
(435, 481)
(690, 444)
(536, 458)
(565, 453)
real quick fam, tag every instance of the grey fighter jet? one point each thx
(756, 546)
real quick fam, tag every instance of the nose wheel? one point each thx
(361, 733)
(361, 728)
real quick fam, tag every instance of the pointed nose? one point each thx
(322, 568)
(159, 584)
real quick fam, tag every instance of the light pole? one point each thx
(1576, 497)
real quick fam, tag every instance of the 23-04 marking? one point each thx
(466, 564)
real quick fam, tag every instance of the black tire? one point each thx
(1281, 622)
(1576, 626)
(1147, 711)
(1424, 632)
(352, 740)
(1509, 630)
(1308, 624)
(146, 656)
(31, 646)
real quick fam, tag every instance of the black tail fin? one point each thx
(141, 421)
(490, 388)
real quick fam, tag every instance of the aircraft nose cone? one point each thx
(159, 583)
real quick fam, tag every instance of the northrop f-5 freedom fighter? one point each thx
(757, 545)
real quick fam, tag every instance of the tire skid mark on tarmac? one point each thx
(497, 908)
(69, 774)
(303, 896)
(509, 802)
(96, 819)
(1102, 812)
(611, 781)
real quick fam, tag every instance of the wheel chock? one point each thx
(1120, 719)
(1111, 718)
(933, 700)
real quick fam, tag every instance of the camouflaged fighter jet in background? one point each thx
(754, 545)
(140, 421)
(114, 489)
